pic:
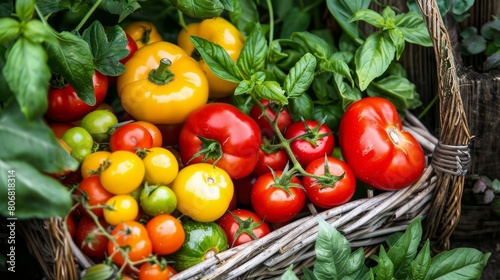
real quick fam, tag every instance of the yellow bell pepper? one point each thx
(143, 33)
(218, 31)
(162, 84)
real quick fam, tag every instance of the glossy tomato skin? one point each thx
(248, 221)
(130, 137)
(92, 190)
(243, 190)
(237, 134)
(97, 248)
(132, 234)
(376, 148)
(123, 172)
(274, 204)
(65, 106)
(275, 160)
(305, 151)
(283, 118)
(329, 196)
(166, 233)
(149, 271)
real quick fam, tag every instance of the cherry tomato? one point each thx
(130, 137)
(166, 233)
(270, 159)
(154, 131)
(98, 123)
(156, 200)
(93, 162)
(376, 148)
(134, 235)
(149, 271)
(123, 172)
(203, 191)
(161, 166)
(121, 208)
(79, 141)
(242, 226)
(283, 118)
(131, 47)
(94, 193)
(64, 105)
(273, 202)
(316, 142)
(89, 239)
(334, 191)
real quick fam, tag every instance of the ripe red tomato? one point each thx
(317, 141)
(64, 105)
(92, 190)
(89, 240)
(333, 191)
(376, 148)
(268, 158)
(242, 226)
(283, 118)
(166, 233)
(134, 235)
(273, 202)
(130, 137)
(131, 47)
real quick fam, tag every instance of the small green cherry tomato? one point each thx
(156, 200)
(79, 141)
(98, 123)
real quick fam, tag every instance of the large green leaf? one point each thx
(70, 57)
(27, 74)
(420, 265)
(313, 44)
(457, 264)
(343, 10)
(414, 29)
(253, 55)
(399, 90)
(404, 250)
(300, 76)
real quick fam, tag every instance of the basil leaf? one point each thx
(70, 56)
(272, 91)
(244, 87)
(373, 58)
(404, 250)
(50, 6)
(35, 31)
(385, 268)
(217, 59)
(330, 114)
(244, 13)
(121, 8)
(420, 265)
(339, 67)
(461, 263)
(28, 75)
(313, 43)
(399, 90)
(228, 5)
(253, 54)
(36, 195)
(200, 9)
(289, 274)
(300, 76)
(460, 7)
(25, 9)
(348, 94)
(414, 29)
(19, 136)
(295, 20)
(108, 47)
(398, 40)
(10, 29)
(301, 107)
(369, 16)
(342, 11)
(323, 88)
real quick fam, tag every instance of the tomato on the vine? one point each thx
(278, 198)
(64, 105)
(282, 118)
(242, 226)
(270, 159)
(130, 137)
(316, 141)
(95, 195)
(134, 235)
(166, 233)
(378, 150)
(335, 189)
(89, 239)
(122, 173)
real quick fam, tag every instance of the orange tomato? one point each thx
(154, 131)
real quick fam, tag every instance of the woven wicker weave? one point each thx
(366, 223)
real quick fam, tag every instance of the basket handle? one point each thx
(451, 156)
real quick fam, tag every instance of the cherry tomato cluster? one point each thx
(143, 187)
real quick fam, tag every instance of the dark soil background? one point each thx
(485, 244)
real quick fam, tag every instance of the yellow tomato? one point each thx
(143, 33)
(123, 172)
(92, 162)
(120, 208)
(161, 166)
(203, 191)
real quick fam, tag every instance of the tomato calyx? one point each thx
(162, 75)
(210, 149)
(327, 180)
(311, 135)
(284, 181)
(58, 81)
(245, 226)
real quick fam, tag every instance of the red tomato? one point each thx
(274, 159)
(60, 128)
(220, 133)
(70, 224)
(65, 106)
(242, 226)
(243, 190)
(166, 233)
(89, 240)
(131, 47)
(273, 202)
(134, 235)
(376, 148)
(333, 191)
(283, 118)
(154, 131)
(317, 141)
(96, 195)
(130, 137)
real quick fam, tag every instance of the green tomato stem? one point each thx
(87, 15)
(162, 75)
(271, 21)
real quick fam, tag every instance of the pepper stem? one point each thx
(162, 75)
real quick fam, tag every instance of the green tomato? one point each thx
(156, 200)
(98, 123)
(79, 141)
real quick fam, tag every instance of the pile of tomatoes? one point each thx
(154, 198)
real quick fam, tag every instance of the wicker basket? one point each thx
(366, 222)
